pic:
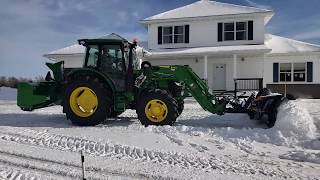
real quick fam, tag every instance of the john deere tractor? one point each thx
(112, 80)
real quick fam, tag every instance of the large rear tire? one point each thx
(86, 103)
(158, 108)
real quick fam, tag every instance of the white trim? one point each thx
(205, 67)
(235, 66)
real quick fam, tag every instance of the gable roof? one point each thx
(205, 8)
(282, 45)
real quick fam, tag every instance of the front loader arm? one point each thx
(196, 87)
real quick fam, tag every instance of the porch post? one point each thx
(264, 72)
(235, 66)
(205, 67)
(235, 74)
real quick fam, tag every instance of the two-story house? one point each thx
(223, 42)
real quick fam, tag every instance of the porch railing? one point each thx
(247, 84)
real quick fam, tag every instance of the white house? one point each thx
(223, 42)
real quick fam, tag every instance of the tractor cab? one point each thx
(115, 58)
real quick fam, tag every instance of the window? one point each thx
(228, 31)
(299, 72)
(173, 34)
(167, 35)
(92, 56)
(285, 72)
(241, 31)
(179, 34)
(292, 72)
(111, 58)
(235, 31)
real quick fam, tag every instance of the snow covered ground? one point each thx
(44, 145)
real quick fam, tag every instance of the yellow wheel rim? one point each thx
(156, 110)
(83, 101)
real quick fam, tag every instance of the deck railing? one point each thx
(247, 84)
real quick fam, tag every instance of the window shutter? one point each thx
(275, 72)
(220, 32)
(250, 30)
(309, 71)
(186, 33)
(160, 35)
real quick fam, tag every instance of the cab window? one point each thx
(111, 58)
(92, 56)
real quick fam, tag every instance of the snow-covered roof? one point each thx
(218, 50)
(73, 49)
(281, 45)
(206, 8)
(77, 49)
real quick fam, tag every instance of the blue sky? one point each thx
(31, 28)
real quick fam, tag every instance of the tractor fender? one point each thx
(93, 73)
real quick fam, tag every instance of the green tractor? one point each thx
(112, 80)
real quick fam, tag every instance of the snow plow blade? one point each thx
(267, 104)
(261, 106)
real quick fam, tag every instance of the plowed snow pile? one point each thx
(294, 127)
(295, 121)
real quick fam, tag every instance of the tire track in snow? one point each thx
(61, 169)
(117, 151)
(7, 173)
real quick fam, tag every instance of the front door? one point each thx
(219, 77)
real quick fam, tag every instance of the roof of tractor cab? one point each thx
(111, 38)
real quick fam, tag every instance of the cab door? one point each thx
(112, 64)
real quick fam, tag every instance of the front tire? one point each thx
(158, 108)
(86, 103)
